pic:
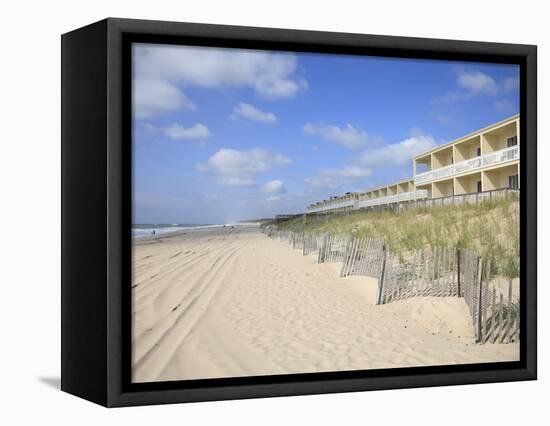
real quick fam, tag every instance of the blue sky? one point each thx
(222, 135)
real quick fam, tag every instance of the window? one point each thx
(478, 152)
(478, 186)
(513, 182)
(512, 141)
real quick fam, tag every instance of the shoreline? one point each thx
(184, 231)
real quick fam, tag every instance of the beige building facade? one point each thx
(485, 160)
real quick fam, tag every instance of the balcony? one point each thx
(332, 206)
(389, 199)
(486, 160)
(395, 198)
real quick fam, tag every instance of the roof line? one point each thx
(376, 188)
(469, 135)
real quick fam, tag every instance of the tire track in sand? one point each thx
(168, 268)
(151, 364)
(163, 302)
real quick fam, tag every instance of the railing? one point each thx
(486, 160)
(332, 206)
(395, 198)
(470, 198)
(358, 204)
(501, 156)
(406, 200)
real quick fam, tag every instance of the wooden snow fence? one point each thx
(426, 272)
(363, 256)
(311, 243)
(333, 248)
(431, 271)
(297, 240)
(440, 271)
(495, 315)
(285, 236)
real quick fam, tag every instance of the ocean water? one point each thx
(146, 229)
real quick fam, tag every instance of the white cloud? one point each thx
(477, 82)
(198, 131)
(274, 187)
(238, 168)
(253, 161)
(252, 113)
(163, 72)
(348, 136)
(155, 97)
(399, 153)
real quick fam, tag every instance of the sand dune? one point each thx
(229, 302)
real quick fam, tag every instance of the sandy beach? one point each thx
(227, 302)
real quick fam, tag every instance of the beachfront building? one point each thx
(334, 204)
(485, 160)
(398, 192)
(395, 193)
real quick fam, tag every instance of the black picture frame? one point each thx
(96, 212)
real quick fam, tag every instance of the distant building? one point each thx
(335, 204)
(284, 217)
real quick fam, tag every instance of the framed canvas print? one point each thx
(253, 212)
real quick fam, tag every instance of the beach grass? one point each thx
(490, 228)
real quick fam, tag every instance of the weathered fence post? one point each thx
(347, 256)
(500, 318)
(322, 250)
(493, 315)
(458, 284)
(479, 296)
(382, 276)
(509, 319)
